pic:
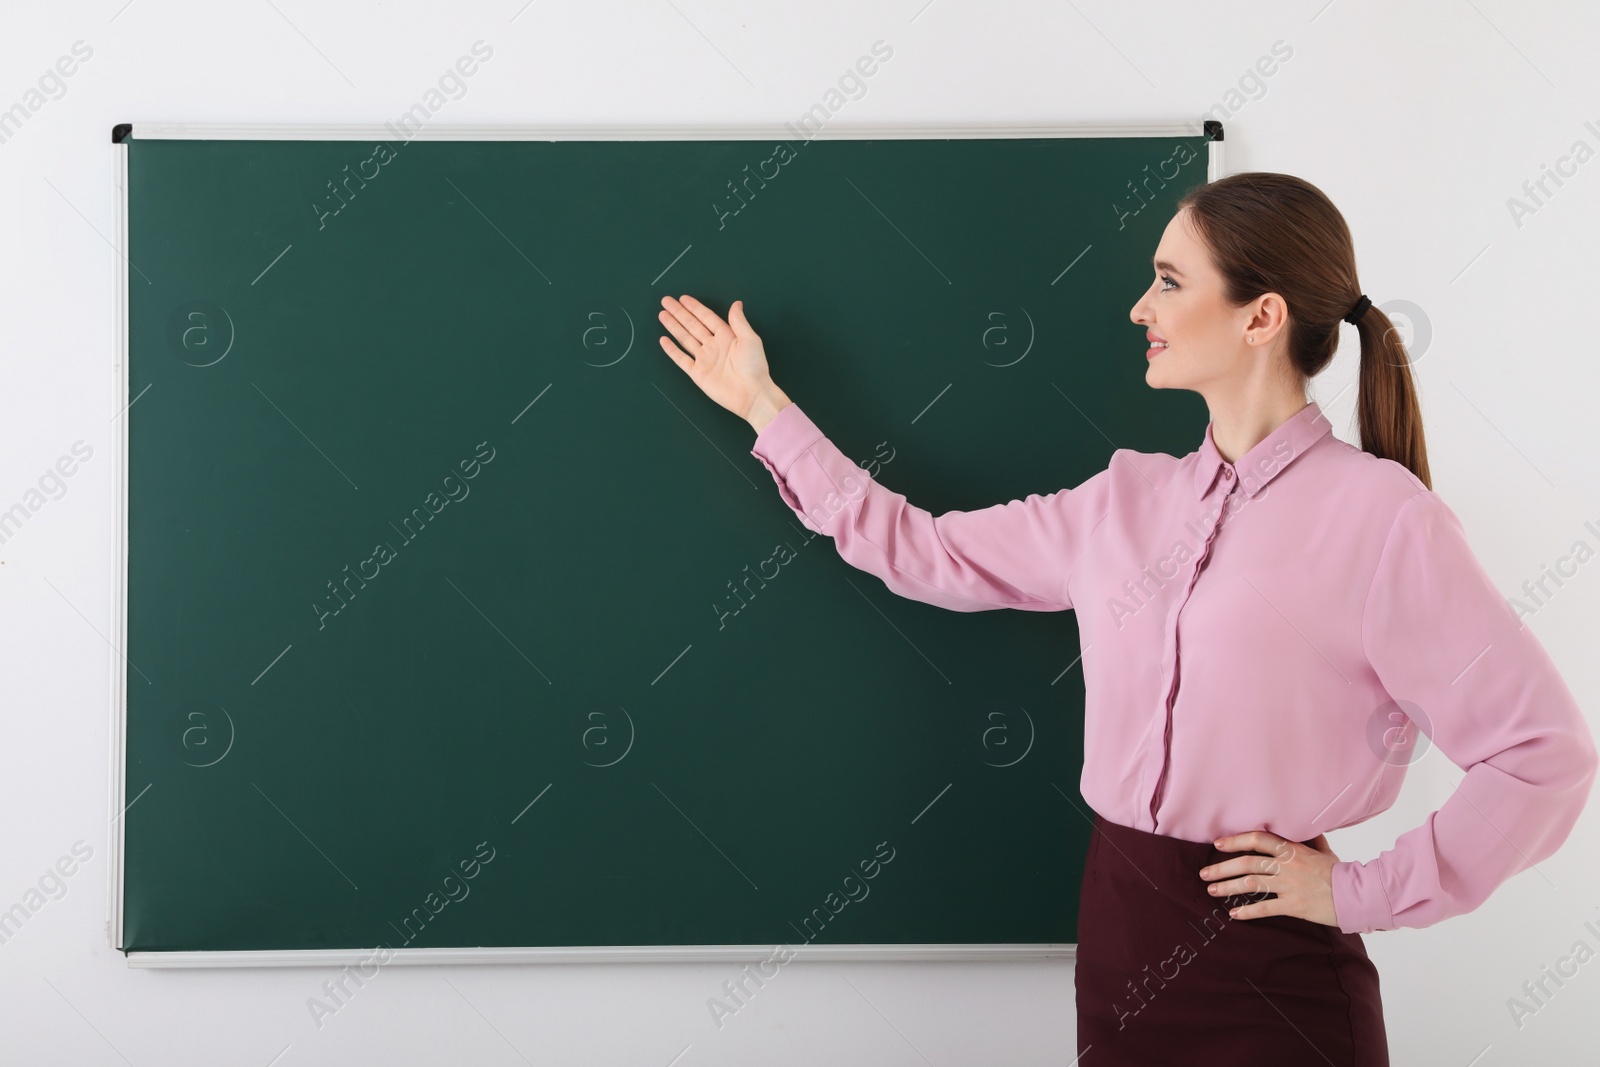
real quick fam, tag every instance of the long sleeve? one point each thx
(1014, 555)
(1439, 635)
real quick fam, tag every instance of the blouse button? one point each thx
(1227, 472)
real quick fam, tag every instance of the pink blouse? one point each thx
(1341, 606)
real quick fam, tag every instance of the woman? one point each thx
(1249, 688)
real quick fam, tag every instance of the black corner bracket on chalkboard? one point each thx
(120, 131)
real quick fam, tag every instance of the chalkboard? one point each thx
(456, 618)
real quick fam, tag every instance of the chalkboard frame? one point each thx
(119, 802)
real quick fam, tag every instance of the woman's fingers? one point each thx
(686, 338)
(708, 318)
(687, 320)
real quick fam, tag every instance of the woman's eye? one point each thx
(1169, 281)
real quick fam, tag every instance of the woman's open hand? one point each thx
(725, 359)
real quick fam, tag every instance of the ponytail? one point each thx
(1387, 411)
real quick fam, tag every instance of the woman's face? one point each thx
(1197, 340)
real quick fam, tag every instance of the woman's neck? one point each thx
(1241, 421)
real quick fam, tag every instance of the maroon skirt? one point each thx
(1165, 975)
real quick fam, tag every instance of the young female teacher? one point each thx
(1263, 621)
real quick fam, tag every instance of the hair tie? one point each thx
(1359, 310)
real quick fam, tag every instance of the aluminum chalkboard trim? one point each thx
(600, 954)
(123, 132)
(116, 785)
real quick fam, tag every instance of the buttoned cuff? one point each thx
(787, 437)
(781, 441)
(1360, 899)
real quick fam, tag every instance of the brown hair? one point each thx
(1276, 233)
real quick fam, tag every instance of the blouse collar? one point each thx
(1268, 458)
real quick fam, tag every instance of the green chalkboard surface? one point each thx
(456, 616)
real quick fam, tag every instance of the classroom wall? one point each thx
(1434, 126)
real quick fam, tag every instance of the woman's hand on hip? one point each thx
(725, 359)
(1300, 875)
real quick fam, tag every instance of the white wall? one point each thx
(1419, 120)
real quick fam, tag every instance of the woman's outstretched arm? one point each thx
(1014, 555)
